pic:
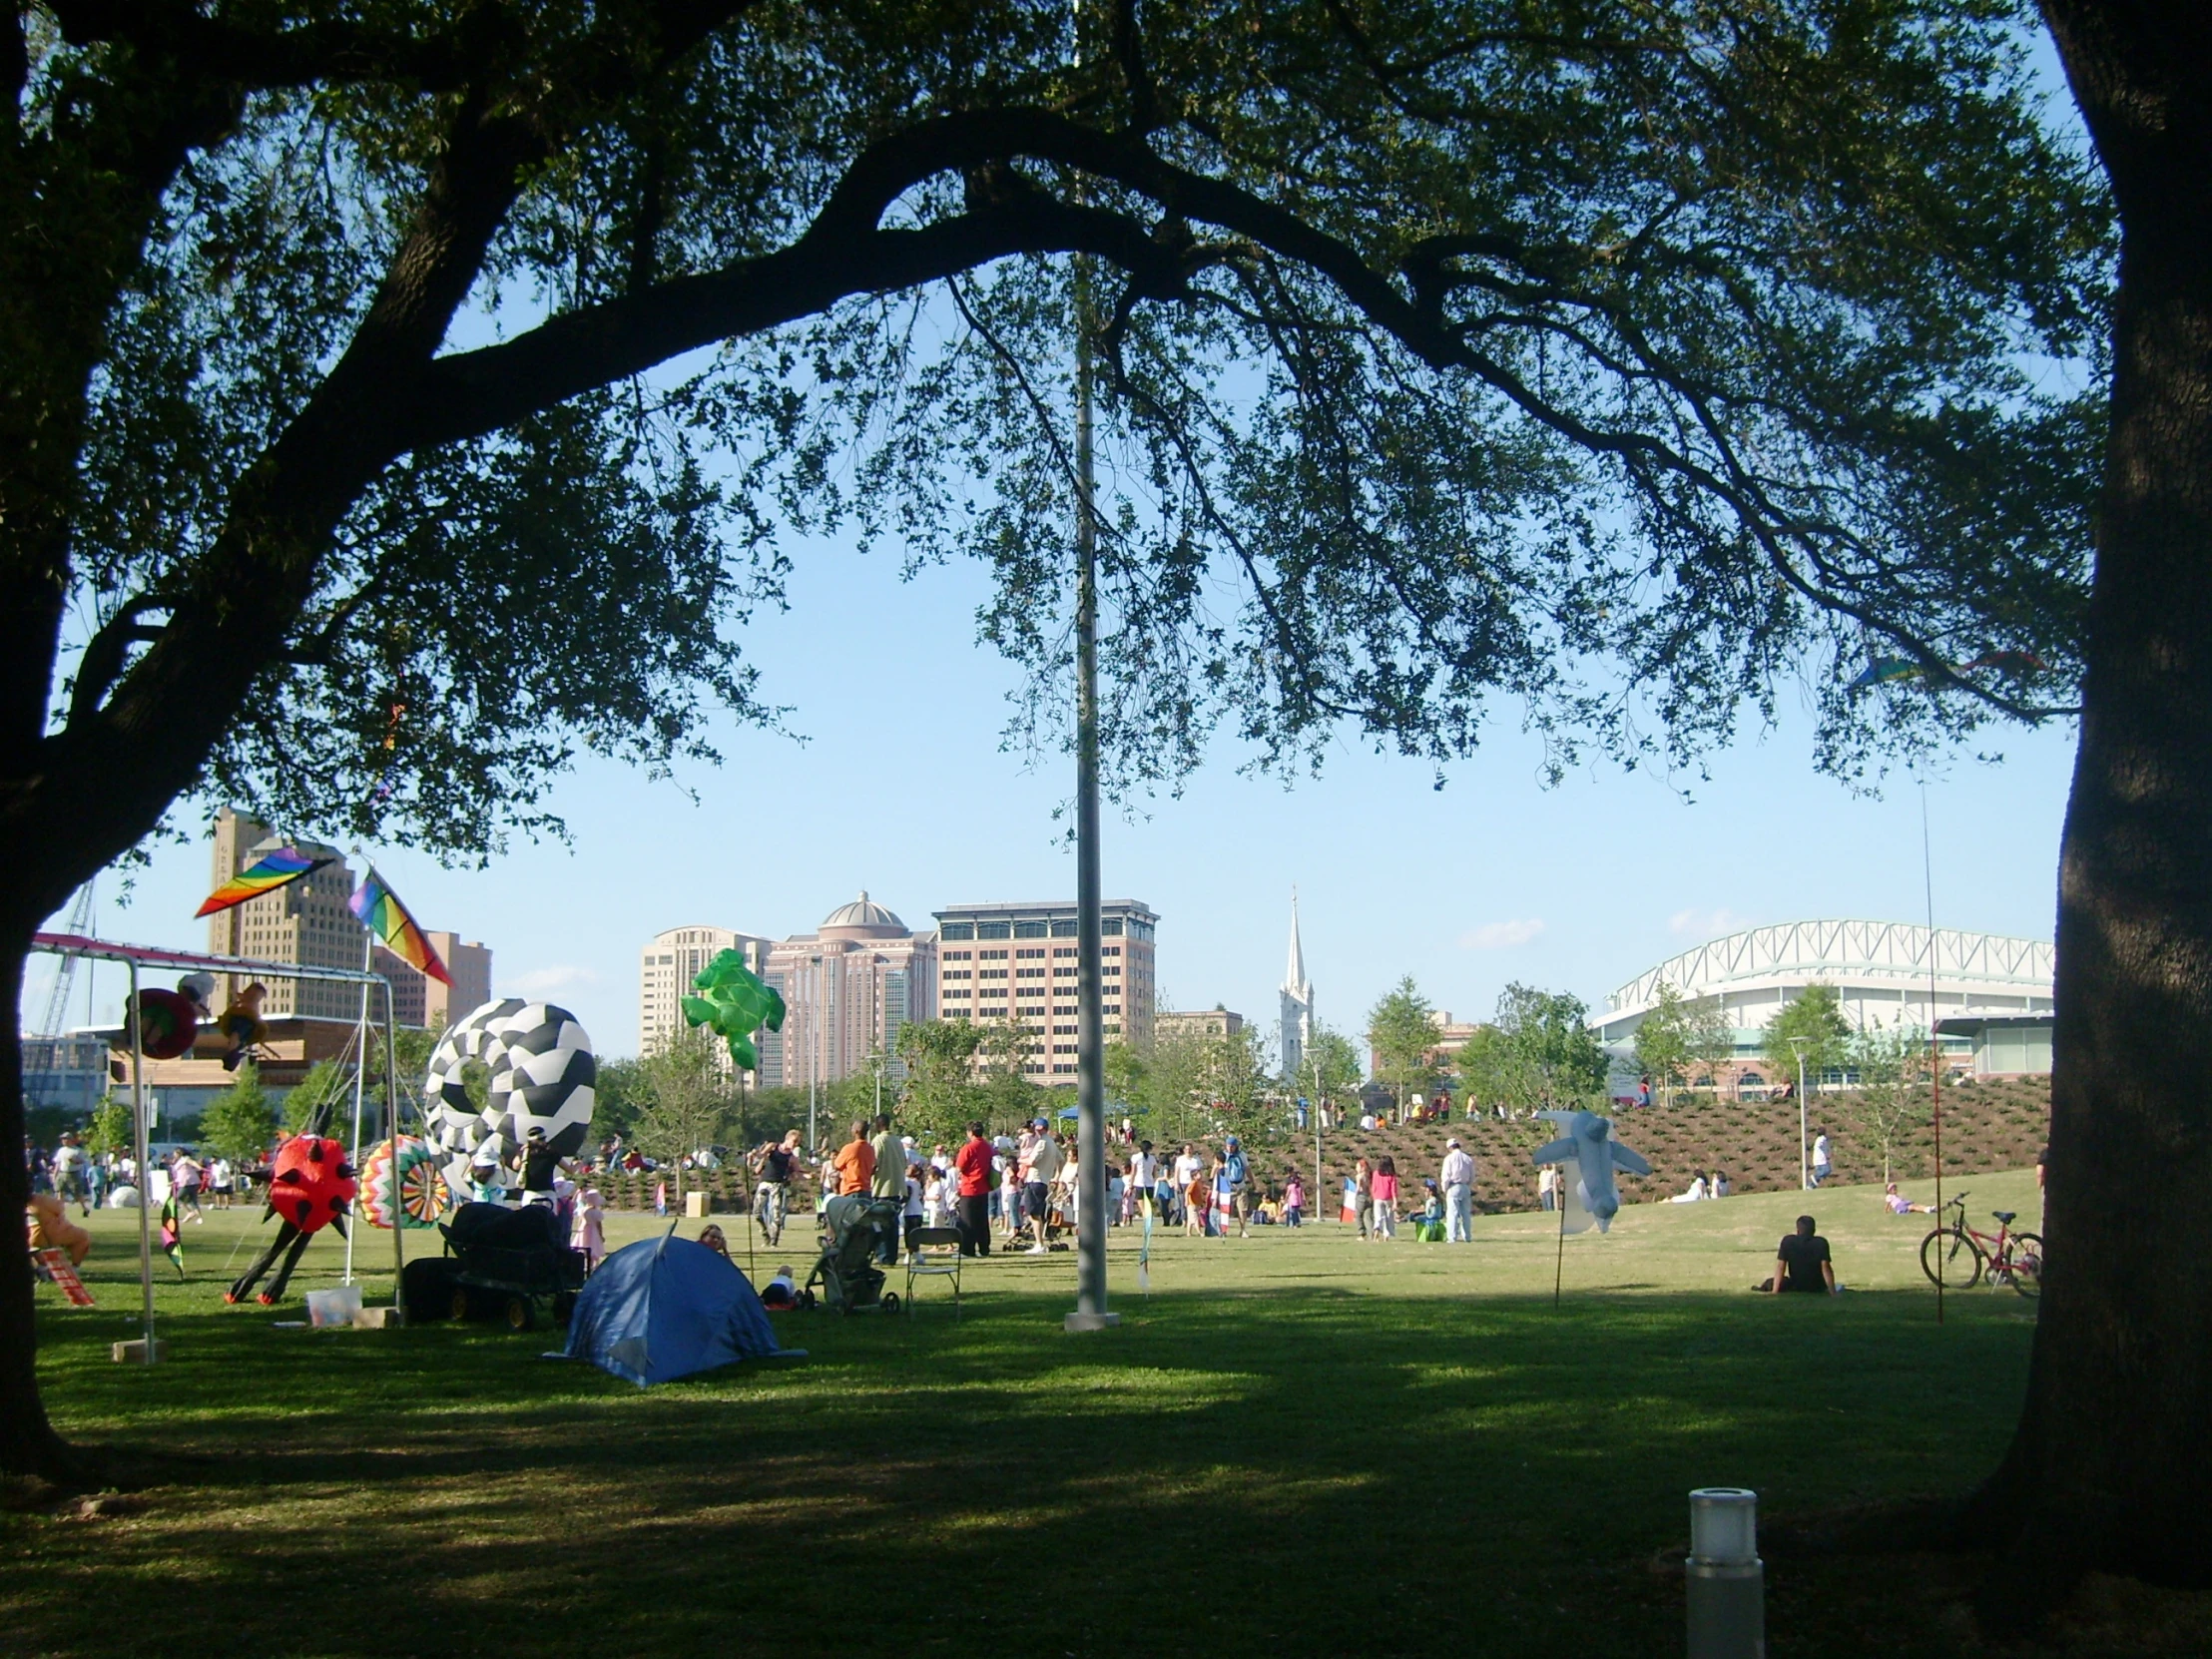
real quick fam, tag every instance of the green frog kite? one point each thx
(735, 1003)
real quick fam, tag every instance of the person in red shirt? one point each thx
(972, 1163)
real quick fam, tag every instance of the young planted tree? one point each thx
(618, 1096)
(1548, 1055)
(1332, 1070)
(1663, 1039)
(240, 1122)
(942, 1093)
(1891, 1094)
(1402, 1036)
(1709, 1034)
(1810, 1029)
(107, 1131)
(322, 1100)
(685, 1100)
(1010, 1094)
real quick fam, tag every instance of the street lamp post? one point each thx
(813, 1038)
(1804, 1173)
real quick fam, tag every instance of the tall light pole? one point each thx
(1804, 1173)
(1090, 1031)
(813, 1039)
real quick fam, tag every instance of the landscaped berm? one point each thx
(1298, 1443)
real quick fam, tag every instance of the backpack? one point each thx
(1236, 1169)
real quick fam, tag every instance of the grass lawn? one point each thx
(1297, 1443)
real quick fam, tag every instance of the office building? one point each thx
(419, 1000)
(848, 988)
(305, 921)
(1001, 961)
(1217, 1021)
(670, 963)
(69, 1071)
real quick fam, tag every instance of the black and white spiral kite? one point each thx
(542, 1077)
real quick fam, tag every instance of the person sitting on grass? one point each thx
(710, 1236)
(781, 1291)
(1899, 1204)
(1431, 1213)
(1801, 1262)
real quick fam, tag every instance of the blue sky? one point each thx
(902, 787)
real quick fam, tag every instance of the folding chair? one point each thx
(934, 1250)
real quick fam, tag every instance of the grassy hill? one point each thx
(1987, 1127)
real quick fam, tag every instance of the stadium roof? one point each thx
(1890, 954)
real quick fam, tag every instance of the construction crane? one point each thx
(47, 1039)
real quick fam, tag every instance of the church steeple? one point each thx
(1298, 1003)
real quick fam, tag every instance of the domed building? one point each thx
(848, 988)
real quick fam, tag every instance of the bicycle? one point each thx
(767, 1210)
(1956, 1256)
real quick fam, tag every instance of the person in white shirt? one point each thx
(69, 1174)
(1041, 1170)
(1548, 1187)
(1144, 1174)
(1821, 1166)
(1187, 1167)
(1696, 1193)
(1458, 1179)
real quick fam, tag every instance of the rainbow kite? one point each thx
(382, 914)
(281, 869)
(1882, 670)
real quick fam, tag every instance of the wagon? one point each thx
(511, 1264)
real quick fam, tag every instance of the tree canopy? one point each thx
(1479, 355)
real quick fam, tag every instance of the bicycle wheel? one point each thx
(1950, 1259)
(2023, 1263)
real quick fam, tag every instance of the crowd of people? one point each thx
(74, 1174)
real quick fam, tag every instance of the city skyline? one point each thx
(1493, 878)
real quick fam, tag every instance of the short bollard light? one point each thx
(1727, 1581)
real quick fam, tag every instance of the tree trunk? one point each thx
(2105, 1468)
(28, 1444)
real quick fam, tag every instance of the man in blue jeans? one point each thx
(1458, 1175)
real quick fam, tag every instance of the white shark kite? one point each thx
(1588, 1144)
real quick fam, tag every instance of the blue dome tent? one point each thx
(663, 1307)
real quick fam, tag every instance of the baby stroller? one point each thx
(857, 1229)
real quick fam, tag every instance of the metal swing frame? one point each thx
(134, 958)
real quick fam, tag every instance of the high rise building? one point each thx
(668, 965)
(848, 988)
(305, 921)
(1297, 1004)
(419, 1000)
(1017, 962)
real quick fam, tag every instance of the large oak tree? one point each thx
(404, 394)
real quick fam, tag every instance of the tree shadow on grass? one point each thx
(1276, 1466)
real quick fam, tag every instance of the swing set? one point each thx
(137, 957)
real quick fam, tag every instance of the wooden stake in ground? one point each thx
(1559, 1207)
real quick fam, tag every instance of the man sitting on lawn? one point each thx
(1801, 1262)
